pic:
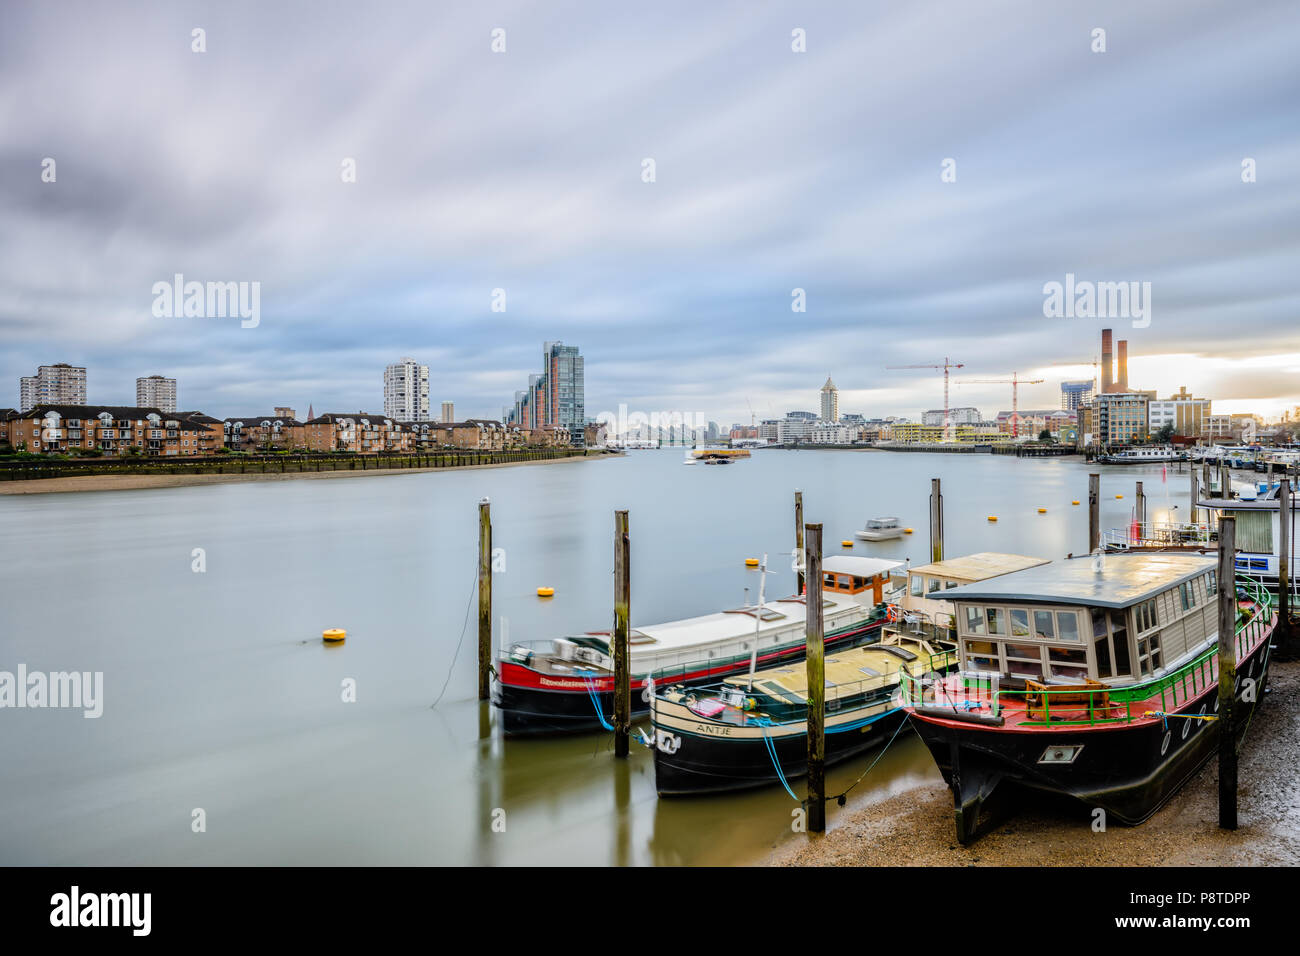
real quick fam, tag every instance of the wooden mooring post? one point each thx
(622, 664)
(815, 803)
(1207, 478)
(1196, 491)
(1225, 479)
(1227, 580)
(798, 541)
(1094, 513)
(1140, 510)
(936, 521)
(484, 598)
(1288, 644)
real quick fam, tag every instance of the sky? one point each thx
(774, 170)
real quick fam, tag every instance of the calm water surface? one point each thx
(219, 695)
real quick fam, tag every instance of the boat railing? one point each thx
(1102, 704)
(1152, 534)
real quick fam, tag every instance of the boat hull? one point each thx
(1128, 771)
(531, 703)
(691, 761)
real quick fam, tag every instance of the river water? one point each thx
(222, 707)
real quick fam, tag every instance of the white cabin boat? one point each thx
(881, 529)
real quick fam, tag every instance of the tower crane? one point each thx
(1015, 382)
(947, 422)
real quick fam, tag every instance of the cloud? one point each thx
(521, 171)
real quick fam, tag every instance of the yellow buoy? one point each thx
(847, 543)
(993, 517)
(751, 562)
(907, 531)
(545, 592)
(333, 635)
(1042, 511)
(1074, 502)
(1119, 496)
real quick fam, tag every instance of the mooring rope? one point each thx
(595, 702)
(763, 724)
(841, 798)
(450, 670)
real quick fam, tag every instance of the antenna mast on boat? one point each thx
(758, 620)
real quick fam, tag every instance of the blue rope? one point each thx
(763, 723)
(595, 702)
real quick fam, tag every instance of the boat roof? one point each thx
(860, 567)
(1125, 580)
(728, 625)
(979, 566)
(846, 671)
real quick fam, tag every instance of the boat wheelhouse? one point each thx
(567, 684)
(1095, 678)
(751, 730)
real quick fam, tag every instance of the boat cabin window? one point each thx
(844, 583)
(949, 584)
(1035, 643)
(917, 585)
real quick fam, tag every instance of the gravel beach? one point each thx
(916, 828)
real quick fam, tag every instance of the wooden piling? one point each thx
(936, 521)
(1225, 479)
(484, 598)
(816, 660)
(1196, 491)
(1227, 581)
(622, 605)
(1140, 509)
(1094, 513)
(1207, 479)
(1289, 648)
(798, 539)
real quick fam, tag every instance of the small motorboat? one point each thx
(881, 529)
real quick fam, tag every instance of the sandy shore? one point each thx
(39, 486)
(916, 828)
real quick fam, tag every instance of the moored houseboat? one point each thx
(1142, 455)
(1094, 678)
(567, 684)
(751, 730)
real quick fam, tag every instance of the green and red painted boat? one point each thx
(1095, 678)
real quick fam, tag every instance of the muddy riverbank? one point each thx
(916, 828)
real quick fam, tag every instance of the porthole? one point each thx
(1164, 744)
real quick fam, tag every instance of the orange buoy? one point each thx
(751, 562)
(847, 543)
(1042, 511)
(907, 531)
(1074, 502)
(333, 635)
(993, 517)
(1117, 497)
(546, 592)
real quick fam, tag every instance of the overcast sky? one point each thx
(774, 170)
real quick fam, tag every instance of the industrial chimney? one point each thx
(1122, 385)
(1107, 363)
